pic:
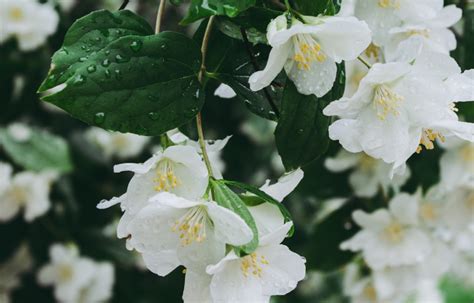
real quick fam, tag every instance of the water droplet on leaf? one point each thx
(136, 45)
(99, 118)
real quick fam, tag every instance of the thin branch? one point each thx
(159, 15)
(124, 5)
(254, 62)
(202, 142)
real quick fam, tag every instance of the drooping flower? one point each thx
(29, 21)
(391, 237)
(368, 175)
(75, 278)
(309, 51)
(25, 190)
(178, 169)
(115, 144)
(399, 109)
(172, 231)
(271, 270)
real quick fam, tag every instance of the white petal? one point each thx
(462, 86)
(138, 168)
(343, 38)
(276, 61)
(197, 287)
(437, 65)
(342, 161)
(267, 216)
(9, 208)
(284, 271)
(161, 262)
(225, 91)
(447, 17)
(174, 201)
(345, 131)
(374, 221)
(228, 226)
(463, 130)
(109, 203)
(277, 236)
(405, 208)
(284, 186)
(317, 80)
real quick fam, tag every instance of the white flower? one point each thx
(369, 174)
(213, 147)
(75, 278)
(29, 21)
(398, 109)
(406, 41)
(271, 270)
(26, 190)
(178, 169)
(171, 231)
(391, 237)
(461, 85)
(458, 213)
(19, 132)
(457, 164)
(268, 216)
(11, 270)
(116, 144)
(309, 51)
(383, 15)
(66, 5)
(225, 91)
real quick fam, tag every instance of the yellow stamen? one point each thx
(394, 232)
(253, 264)
(165, 179)
(191, 227)
(370, 293)
(372, 51)
(418, 32)
(307, 51)
(386, 101)
(427, 139)
(395, 4)
(16, 13)
(428, 212)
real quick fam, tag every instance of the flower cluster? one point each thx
(171, 218)
(419, 238)
(75, 278)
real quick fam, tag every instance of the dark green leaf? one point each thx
(225, 197)
(318, 7)
(302, 131)
(87, 36)
(262, 195)
(330, 233)
(41, 151)
(140, 84)
(200, 9)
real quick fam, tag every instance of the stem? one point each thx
(159, 15)
(124, 5)
(369, 66)
(287, 4)
(202, 143)
(257, 68)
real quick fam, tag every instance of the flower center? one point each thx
(16, 14)
(395, 4)
(252, 265)
(394, 232)
(467, 153)
(366, 162)
(418, 32)
(307, 50)
(372, 51)
(64, 272)
(370, 293)
(428, 212)
(470, 202)
(386, 101)
(192, 226)
(18, 194)
(427, 138)
(165, 179)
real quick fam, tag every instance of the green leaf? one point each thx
(330, 233)
(140, 84)
(87, 36)
(225, 197)
(318, 7)
(200, 9)
(229, 62)
(41, 151)
(302, 131)
(262, 195)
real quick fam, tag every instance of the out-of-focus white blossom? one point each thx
(76, 279)
(369, 175)
(11, 270)
(27, 191)
(115, 144)
(19, 132)
(225, 91)
(29, 21)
